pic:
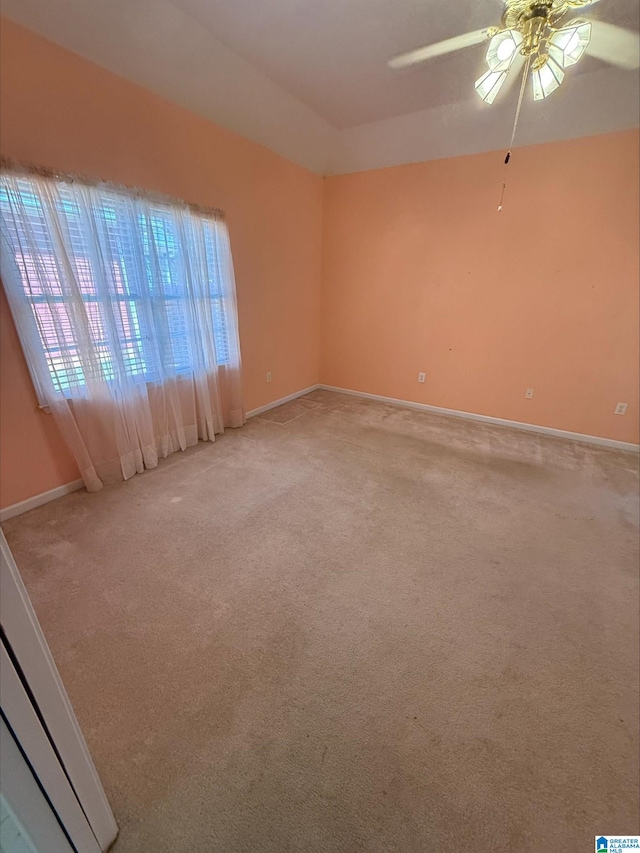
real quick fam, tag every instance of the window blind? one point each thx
(125, 268)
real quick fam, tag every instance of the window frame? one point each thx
(22, 305)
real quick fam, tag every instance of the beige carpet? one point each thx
(353, 627)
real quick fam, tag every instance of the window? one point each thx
(117, 287)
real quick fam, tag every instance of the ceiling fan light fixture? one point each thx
(502, 50)
(567, 45)
(547, 75)
(490, 84)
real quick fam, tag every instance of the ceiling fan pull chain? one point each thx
(504, 186)
(515, 124)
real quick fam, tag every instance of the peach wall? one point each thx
(60, 110)
(421, 273)
(33, 456)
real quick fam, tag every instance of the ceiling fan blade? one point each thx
(614, 45)
(413, 57)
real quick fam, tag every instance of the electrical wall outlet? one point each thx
(422, 377)
(620, 409)
(268, 376)
(528, 394)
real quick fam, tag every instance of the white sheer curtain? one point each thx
(126, 310)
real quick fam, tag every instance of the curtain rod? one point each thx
(28, 169)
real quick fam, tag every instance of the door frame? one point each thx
(38, 671)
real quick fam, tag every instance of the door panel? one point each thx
(37, 710)
(27, 821)
(36, 746)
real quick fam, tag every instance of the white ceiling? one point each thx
(308, 78)
(332, 54)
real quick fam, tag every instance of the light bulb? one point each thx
(505, 49)
(567, 45)
(502, 50)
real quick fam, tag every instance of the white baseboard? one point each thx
(37, 500)
(487, 419)
(282, 400)
(43, 498)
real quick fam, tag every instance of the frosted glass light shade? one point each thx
(567, 45)
(502, 50)
(546, 79)
(490, 84)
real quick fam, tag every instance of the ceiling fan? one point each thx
(537, 35)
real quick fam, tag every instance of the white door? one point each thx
(22, 805)
(41, 723)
